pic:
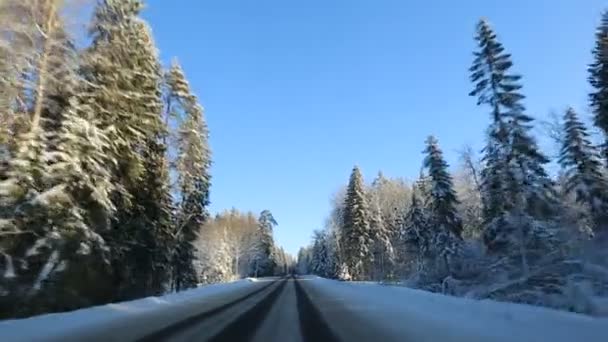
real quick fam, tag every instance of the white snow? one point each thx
(142, 314)
(35, 249)
(46, 270)
(9, 272)
(424, 316)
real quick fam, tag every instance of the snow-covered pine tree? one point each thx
(442, 201)
(382, 247)
(192, 164)
(583, 171)
(598, 77)
(441, 204)
(514, 181)
(46, 215)
(123, 77)
(319, 259)
(415, 233)
(492, 88)
(356, 240)
(265, 260)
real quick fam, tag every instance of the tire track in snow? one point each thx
(312, 325)
(166, 332)
(244, 327)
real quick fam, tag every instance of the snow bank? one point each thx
(424, 316)
(147, 310)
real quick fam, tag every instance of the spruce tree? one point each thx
(598, 78)
(514, 180)
(319, 261)
(193, 163)
(265, 259)
(356, 239)
(442, 201)
(583, 170)
(124, 78)
(415, 232)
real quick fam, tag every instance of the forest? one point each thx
(498, 226)
(105, 167)
(105, 180)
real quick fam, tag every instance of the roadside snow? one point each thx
(56, 326)
(424, 316)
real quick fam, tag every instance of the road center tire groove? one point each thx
(245, 326)
(312, 325)
(176, 327)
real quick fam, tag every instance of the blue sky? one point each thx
(297, 92)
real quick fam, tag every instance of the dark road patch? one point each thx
(165, 333)
(244, 327)
(312, 325)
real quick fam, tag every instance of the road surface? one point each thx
(277, 310)
(305, 309)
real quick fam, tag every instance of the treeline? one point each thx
(104, 162)
(235, 245)
(500, 227)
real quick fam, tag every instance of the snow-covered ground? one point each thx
(425, 316)
(56, 326)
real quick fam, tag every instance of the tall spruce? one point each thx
(265, 259)
(356, 233)
(514, 179)
(192, 164)
(598, 78)
(415, 233)
(583, 170)
(57, 192)
(442, 201)
(124, 80)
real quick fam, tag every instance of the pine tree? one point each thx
(356, 235)
(193, 163)
(265, 260)
(415, 232)
(583, 171)
(442, 200)
(598, 77)
(514, 179)
(57, 195)
(124, 79)
(319, 260)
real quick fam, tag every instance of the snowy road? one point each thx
(307, 309)
(279, 311)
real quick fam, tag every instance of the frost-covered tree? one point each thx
(442, 201)
(382, 247)
(583, 170)
(55, 199)
(468, 190)
(416, 231)
(319, 262)
(499, 90)
(123, 82)
(513, 179)
(598, 77)
(265, 260)
(303, 262)
(192, 164)
(356, 240)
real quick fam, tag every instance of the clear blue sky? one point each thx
(296, 92)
